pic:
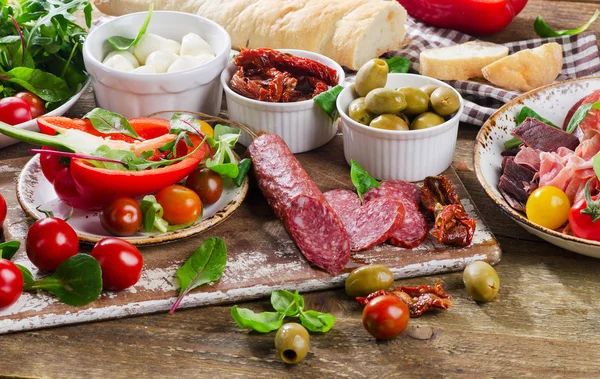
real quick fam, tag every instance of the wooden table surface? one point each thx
(544, 322)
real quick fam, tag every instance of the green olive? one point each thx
(385, 100)
(444, 101)
(292, 342)
(389, 122)
(417, 101)
(426, 120)
(371, 75)
(403, 117)
(429, 88)
(358, 111)
(368, 279)
(481, 280)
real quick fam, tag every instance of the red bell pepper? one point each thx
(469, 16)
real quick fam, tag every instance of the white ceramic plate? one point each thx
(34, 190)
(32, 124)
(552, 102)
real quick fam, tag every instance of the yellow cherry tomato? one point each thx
(206, 129)
(548, 206)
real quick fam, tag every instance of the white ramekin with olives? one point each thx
(399, 126)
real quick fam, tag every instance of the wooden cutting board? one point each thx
(261, 257)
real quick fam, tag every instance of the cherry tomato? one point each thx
(50, 164)
(548, 206)
(207, 184)
(181, 205)
(14, 111)
(2, 210)
(50, 242)
(385, 317)
(582, 224)
(121, 263)
(36, 105)
(11, 283)
(121, 217)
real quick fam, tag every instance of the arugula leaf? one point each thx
(580, 114)
(361, 179)
(27, 275)
(525, 113)
(264, 322)
(9, 249)
(123, 43)
(109, 122)
(44, 84)
(243, 168)
(316, 321)
(152, 213)
(326, 101)
(398, 65)
(286, 302)
(544, 30)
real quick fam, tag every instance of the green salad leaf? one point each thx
(9, 249)
(264, 322)
(398, 65)
(326, 101)
(123, 43)
(44, 84)
(315, 321)
(224, 161)
(152, 213)
(544, 30)
(361, 179)
(580, 115)
(110, 122)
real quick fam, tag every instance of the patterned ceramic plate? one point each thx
(34, 190)
(552, 102)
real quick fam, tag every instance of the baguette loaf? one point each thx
(349, 31)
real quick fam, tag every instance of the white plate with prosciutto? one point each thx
(538, 160)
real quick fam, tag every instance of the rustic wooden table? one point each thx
(543, 323)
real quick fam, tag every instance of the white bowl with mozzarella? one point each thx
(169, 69)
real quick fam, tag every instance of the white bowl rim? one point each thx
(296, 104)
(383, 132)
(133, 75)
(514, 214)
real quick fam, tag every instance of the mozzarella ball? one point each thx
(203, 58)
(145, 70)
(119, 62)
(149, 43)
(192, 44)
(125, 54)
(184, 63)
(171, 45)
(161, 60)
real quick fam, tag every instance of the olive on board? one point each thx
(444, 101)
(417, 101)
(292, 342)
(358, 111)
(371, 75)
(385, 100)
(482, 281)
(368, 279)
(426, 120)
(389, 122)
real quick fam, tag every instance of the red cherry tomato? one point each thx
(582, 224)
(14, 111)
(121, 217)
(50, 164)
(181, 205)
(11, 283)
(385, 317)
(207, 184)
(36, 105)
(50, 242)
(121, 263)
(2, 210)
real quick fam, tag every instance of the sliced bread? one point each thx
(460, 62)
(526, 69)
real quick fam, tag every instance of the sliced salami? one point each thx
(370, 224)
(392, 188)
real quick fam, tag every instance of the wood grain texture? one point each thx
(544, 323)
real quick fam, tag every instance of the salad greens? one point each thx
(152, 216)
(580, 114)
(286, 304)
(361, 179)
(224, 161)
(544, 30)
(398, 65)
(206, 265)
(109, 122)
(124, 44)
(40, 48)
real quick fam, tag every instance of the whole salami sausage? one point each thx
(299, 204)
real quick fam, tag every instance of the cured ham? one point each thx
(543, 137)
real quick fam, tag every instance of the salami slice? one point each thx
(392, 188)
(370, 224)
(299, 204)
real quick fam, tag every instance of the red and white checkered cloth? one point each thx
(580, 58)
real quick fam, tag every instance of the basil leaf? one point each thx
(44, 84)
(544, 30)
(109, 122)
(205, 265)
(326, 101)
(264, 322)
(243, 168)
(361, 179)
(285, 302)
(315, 321)
(221, 130)
(27, 275)
(122, 43)
(77, 281)
(524, 113)
(398, 65)
(580, 114)
(9, 249)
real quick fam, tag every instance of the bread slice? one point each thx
(460, 62)
(526, 69)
